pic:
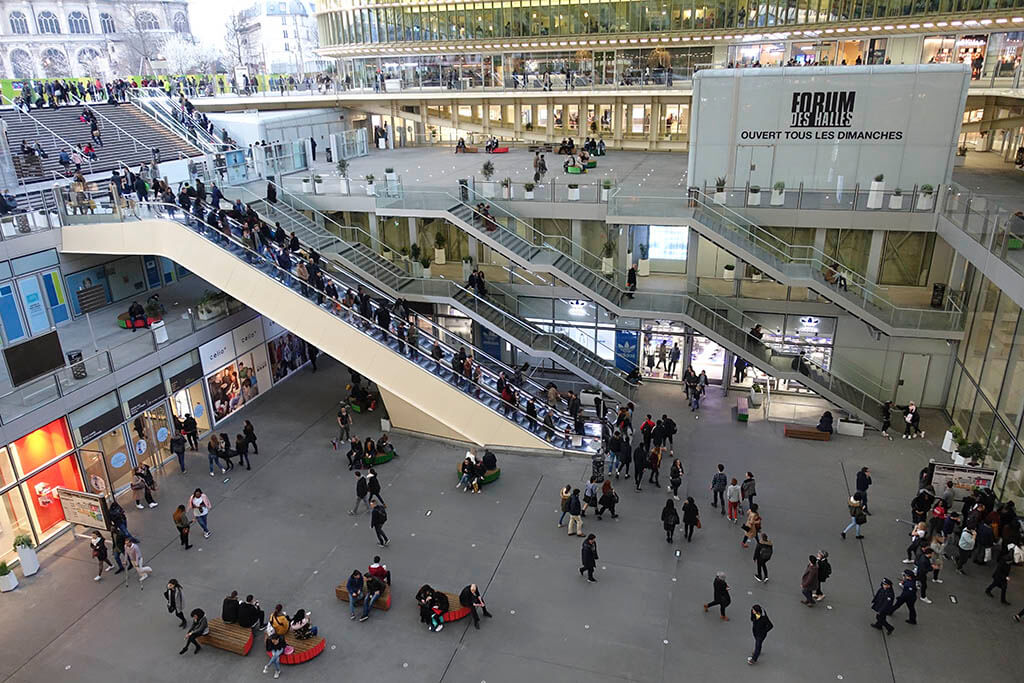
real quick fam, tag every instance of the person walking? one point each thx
(575, 512)
(589, 557)
(373, 486)
(242, 451)
(249, 432)
(178, 448)
(275, 648)
(752, 527)
(183, 524)
(362, 489)
(809, 581)
(670, 519)
(907, 596)
(719, 482)
(762, 553)
(200, 505)
(176, 601)
(654, 464)
(134, 554)
(565, 494)
(923, 567)
(344, 419)
(200, 627)
(589, 496)
(748, 489)
(191, 429)
(857, 516)
(721, 592)
(98, 548)
(1001, 576)
(639, 464)
(863, 482)
(675, 478)
(882, 605)
(824, 571)
(140, 485)
(732, 497)
(378, 517)
(760, 626)
(608, 500)
(691, 518)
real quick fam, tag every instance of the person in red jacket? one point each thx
(379, 570)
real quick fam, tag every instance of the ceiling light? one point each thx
(928, 24)
(900, 27)
(1001, 21)
(876, 28)
(915, 26)
(889, 27)
(840, 30)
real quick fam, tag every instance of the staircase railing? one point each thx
(155, 103)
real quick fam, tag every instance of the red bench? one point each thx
(455, 609)
(499, 150)
(302, 650)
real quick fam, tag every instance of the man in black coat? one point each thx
(470, 597)
(361, 491)
(761, 624)
(639, 464)
(1001, 576)
(178, 448)
(377, 519)
(908, 595)
(863, 482)
(589, 556)
(631, 280)
(882, 605)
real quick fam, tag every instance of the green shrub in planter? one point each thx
(425, 261)
(343, 168)
(927, 189)
(487, 170)
(608, 249)
(528, 187)
(369, 177)
(880, 177)
(4, 569)
(606, 184)
(389, 170)
(440, 240)
(897, 192)
(414, 252)
(574, 186)
(779, 186)
(755, 189)
(720, 184)
(23, 541)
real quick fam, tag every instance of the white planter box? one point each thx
(756, 398)
(439, 257)
(307, 186)
(8, 583)
(385, 424)
(608, 265)
(895, 202)
(604, 194)
(574, 194)
(643, 268)
(370, 190)
(754, 198)
(720, 197)
(417, 269)
(875, 194)
(728, 273)
(948, 444)
(382, 143)
(29, 561)
(317, 187)
(426, 273)
(343, 186)
(488, 189)
(756, 277)
(850, 428)
(528, 194)
(391, 177)
(925, 202)
(506, 192)
(388, 255)
(778, 198)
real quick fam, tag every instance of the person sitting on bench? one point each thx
(490, 461)
(563, 148)
(825, 422)
(355, 453)
(229, 610)
(460, 146)
(379, 570)
(369, 451)
(470, 597)
(384, 445)
(438, 608)
(354, 586)
(301, 627)
(374, 589)
(360, 397)
(250, 615)
(425, 599)
(137, 313)
(468, 471)
(584, 157)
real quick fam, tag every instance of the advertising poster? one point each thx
(225, 392)
(248, 378)
(84, 509)
(214, 353)
(248, 336)
(627, 350)
(964, 478)
(287, 354)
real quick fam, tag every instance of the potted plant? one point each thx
(720, 190)
(210, 305)
(528, 188)
(755, 274)
(574, 192)
(414, 255)
(307, 185)
(387, 253)
(876, 192)
(26, 554)
(728, 272)
(343, 183)
(756, 395)
(952, 437)
(506, 188)
(425, 262)
(926, 198)
(972, 453)
(440, 239)
(317, 181)
(896, 199)
(529, 125)
(606, 188)
(754, 195)
(608, 257)
(467, 267)
(778, 194)
(8, 581)
(643, 267)
(487, 170)
(153, 312)
(389, 174)
(369, 185)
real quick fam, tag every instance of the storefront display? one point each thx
(225, 392)
(41, 492)
(151, 433)
(287, 354)
(705, 355)
(789, 335)
(115, 455)
(37, 448)
(192, 401)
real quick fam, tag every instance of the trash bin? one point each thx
(938, 295)
(464, 189)
(597, 466)
(159, 332)
(77, 366)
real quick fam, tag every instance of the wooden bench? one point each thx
(230, 637)
(302, 650)
(489, 475)
(805, 432)
(382, 603)
(742, 409)
(455, 609)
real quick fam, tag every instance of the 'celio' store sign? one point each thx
(823, 115)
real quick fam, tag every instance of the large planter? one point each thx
(608, 265)
(426, 272)
(720, 197)
(754, 199)
(643, 267)
(307, 186)
(528, 194)
(875, 194)
(439, 257)
(370, 190)
(488, 189)
(574, 194)
(506, 192)
(388, 254)
(925, 201)
(385, 424)
(29, 561)
(8, 582)
(778, 198)
(850, 427)
(895, 202)
(948, 444)
(604, 194)
(343, 186)
(729, 273)
(756, 398)
(382, 143)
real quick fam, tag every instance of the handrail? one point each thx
(141, 97)
(572, 347)
(40, 124)
(216, 235)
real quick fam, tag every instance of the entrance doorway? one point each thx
(754, 164)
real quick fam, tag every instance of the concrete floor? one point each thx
(281, 532)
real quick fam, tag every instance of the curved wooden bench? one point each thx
(805, 432)
(230, 637)
(382, 603)
(302, 650)
(489, 475)
(459, 612)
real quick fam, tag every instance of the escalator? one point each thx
(474, 411)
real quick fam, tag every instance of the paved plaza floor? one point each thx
(282, 532)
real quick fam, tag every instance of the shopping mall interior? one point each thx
(800, 210)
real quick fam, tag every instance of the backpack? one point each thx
(824, 570)
(766, 554)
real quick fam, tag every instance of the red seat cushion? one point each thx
(456, 614)
(500, 150)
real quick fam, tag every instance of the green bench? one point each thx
(489, 476)
(591, 164)
(574, 170)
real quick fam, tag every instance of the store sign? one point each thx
(186, 377)
(270, 328)
(138, 403)
(627, 350)
(100, 424)
(823, 115)
(84, 509)
(248, 336)
(214, 354)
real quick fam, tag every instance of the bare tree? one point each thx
(179, 53)
(139, 27)
(234, 41)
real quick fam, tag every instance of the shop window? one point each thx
(95, 418)
(7, 475)
(667, 242)
(34, 450)
(14, 521)
(192, 401)
(152, 436)
(115, 455)
(41, 493)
